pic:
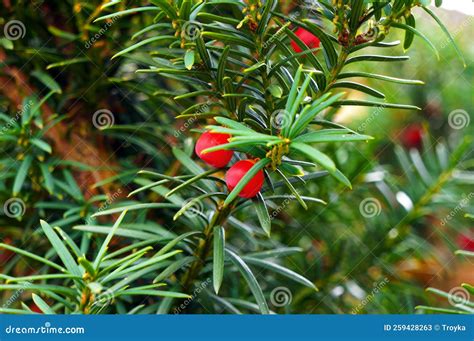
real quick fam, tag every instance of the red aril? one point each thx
(237, 172)
(466, 242)
(412, 136)
(219, 158)
(307, 38)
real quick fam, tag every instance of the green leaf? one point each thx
(276, 91)
(105, 244)
(221, 67)
(175, 241)
(446, 31)
(42, 305)
(187, 162)
(47, 80)
(189, 59)
(251, 281)
(281, 270)
(357, 9)
(123, 232)
(409, 35)
(229, 39)
(133, 208)
(61, 249)
(440, 310)
(32, 256)
(321, 159)
(376, 104)
(360, 87)
(128, 11)
(48, 178)
(262, 213)
(172, 268)
(245, 179)
(293, 190)
(170, 11)
(41, 145)
(160, 293)
(331, 135)
(143, 42)
(330, 53)
(67, 62)
(62, 34)
(380, 77)
(21, 175)
(419, 34)
(315, 155)
(376, 58)
(218, 257)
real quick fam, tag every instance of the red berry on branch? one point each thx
(466, 242)
(307, 38)
(219, 158)
(34, 308)
(412, 136)
(237, 172)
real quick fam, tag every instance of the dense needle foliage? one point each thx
(107, 209)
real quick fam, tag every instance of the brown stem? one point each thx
(204, 246)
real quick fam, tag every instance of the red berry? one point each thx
(466, 242)
(34, 308)
(237, 172)
(412, 136)
(219, 158)
(307, 38)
